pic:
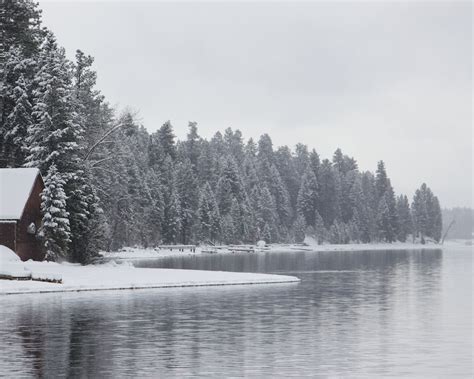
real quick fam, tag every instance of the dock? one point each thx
(191, 248)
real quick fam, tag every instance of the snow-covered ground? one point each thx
(113, 276)
(140, 253)
(310, 246)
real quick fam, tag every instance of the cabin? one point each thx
(20, 211)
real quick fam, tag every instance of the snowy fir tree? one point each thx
(307, 200)
(426, 211)
(55, 231)
(405, 221)
(16, 124)
(299, 229)
(384, 224)
(54, 133)
(320, 232)
(208, 216)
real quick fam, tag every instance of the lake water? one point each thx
(401, 313)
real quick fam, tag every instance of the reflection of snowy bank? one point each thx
(114, 276)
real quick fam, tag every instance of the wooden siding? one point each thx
(27, 245)
(7, 234)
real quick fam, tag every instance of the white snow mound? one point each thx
(8, 256)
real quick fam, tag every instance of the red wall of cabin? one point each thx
(7, 234)
(27, 245)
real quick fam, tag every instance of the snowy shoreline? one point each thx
(141, 253)
(124, 276)
(76, 278)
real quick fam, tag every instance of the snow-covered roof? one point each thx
(15, 189)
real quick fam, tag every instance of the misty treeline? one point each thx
(109, 183)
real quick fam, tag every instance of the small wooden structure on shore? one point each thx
(233, 249)
(20, 214)
(191, 248)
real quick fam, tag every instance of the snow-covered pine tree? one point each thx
(266, 213)
(347, 203)
(208, 216)
(282, 198)
(20, 26)
(405, 222)
(437, 220)
(237, 220)
(172, 220)
(250, 176)
(229, 186)
(166, 140)
(329, 194)
(301, 159)
(227, 229)
(381, 180)
(267, 233)
(320, 231)
(338, 161)
(54, 138)
(21, 36)
(154, 215)
(307, 200)
(426, 212)
(314, 162)
(371, 201)
(16, 73)
(15, 127)
(89, 103)
(285, 164)
(384, 221)
(86, 216)
(234, 145)
(193, 145)
(116, 201)
(249, 220)
(188, 196)
(54, 232)
(384, 190)
(335, 233)
(392, 205)
(299, 229)
(265, 150)
(354, 227)
(360, 209)
(54, 134)
(421, 209)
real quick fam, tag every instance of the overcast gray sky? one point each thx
(380, 80)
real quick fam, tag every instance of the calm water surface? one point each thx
(399, 313)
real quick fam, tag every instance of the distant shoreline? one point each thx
(150, 253)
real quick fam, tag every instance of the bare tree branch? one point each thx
(101, 139)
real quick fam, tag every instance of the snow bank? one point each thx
(109, 277)
(312, 246)
(7, 256)
(140, 253)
